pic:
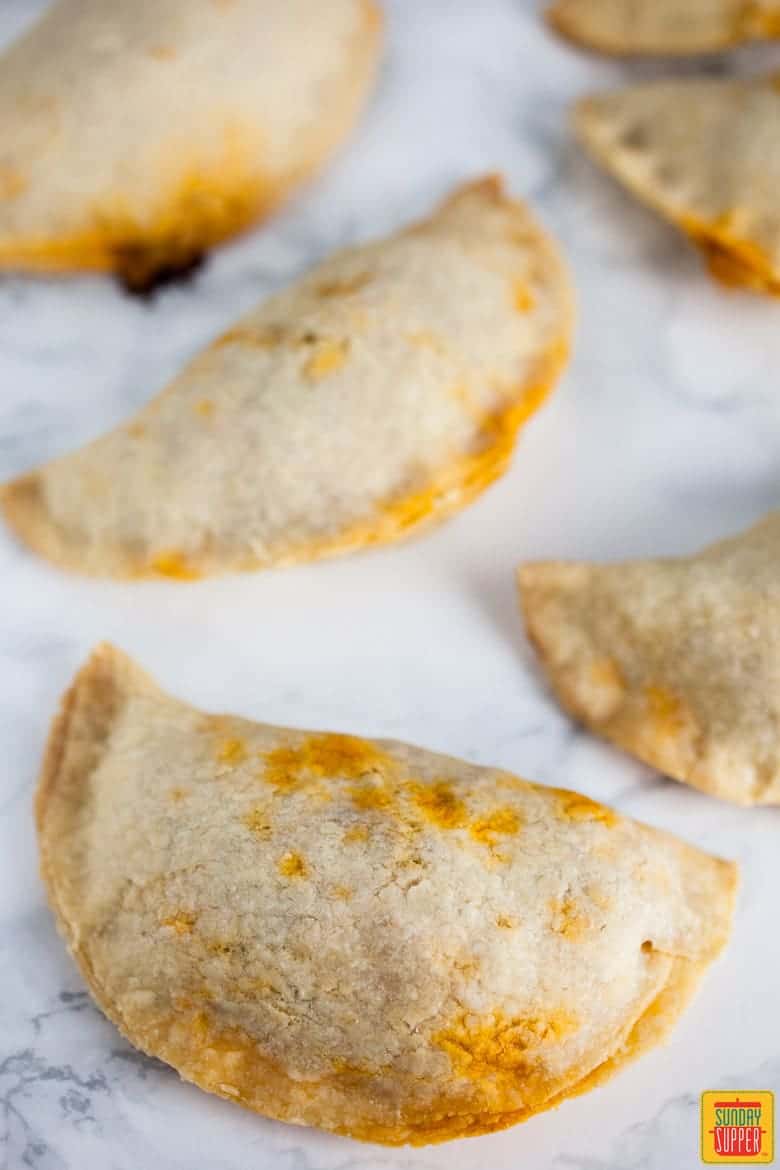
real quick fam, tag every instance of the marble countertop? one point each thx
(664, 434)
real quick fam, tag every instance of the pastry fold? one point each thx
(355, 934)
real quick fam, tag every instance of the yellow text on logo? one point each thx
(737, 1127)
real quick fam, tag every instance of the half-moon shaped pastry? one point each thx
(706, 155)
(136, 136)
(383, 390)
(675, 660)
(634, 27)
(353, 934)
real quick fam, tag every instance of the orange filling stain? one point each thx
(438, 804)
(204, 407)
(327, 756)
(379, 788)
(733, 260)
(576, 807)
(755, 20)
(175, 566)
(370, 796)
(182, 922)
(232, 751)
(328, 358)
(500, 1046)
(605, 672)
(667, 711)
(506, 922)
(568, 919)
(522, 297)
(501, 822)
(292, 865)
(177, 794)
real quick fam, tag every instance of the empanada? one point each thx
(675, 660)
(706, 155)
(381, 391)
(353, 934)
(134, 136)
(664, 26)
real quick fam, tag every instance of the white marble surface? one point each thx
(664, 434)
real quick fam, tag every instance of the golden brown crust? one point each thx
(129, 864)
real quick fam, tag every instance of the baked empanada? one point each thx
(675, 660)
(706, 155)
(664, 26)
(353, 934)
(383, 390)
(134, 136)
